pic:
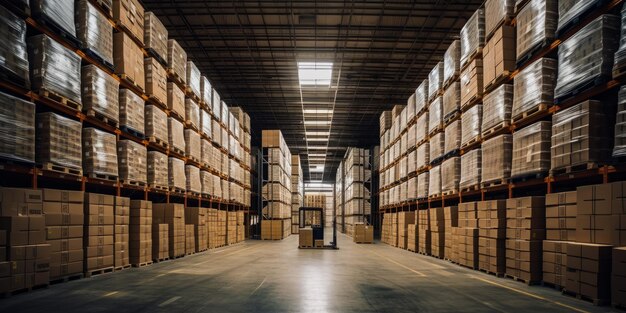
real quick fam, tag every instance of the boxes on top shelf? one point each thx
(472, 37)
(94, 31)
(156, 36)
(128, 60)
(497, 13)
(452, 62)
(129, 14)
(156, 81)
(14, 53)
(177, 60)
(536, 26)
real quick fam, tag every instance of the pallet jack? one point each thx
(317, 225)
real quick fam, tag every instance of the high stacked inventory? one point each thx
(276, 189)
(297, 192)
(355, 180)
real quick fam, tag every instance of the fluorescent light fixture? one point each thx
(316, 122)
(315, 73)
(317, 169)
(317, 133)
(316, 139)
(317, 154)
(317, 111)
(317, 147)
(317, 184)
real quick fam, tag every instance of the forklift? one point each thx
(316, 229)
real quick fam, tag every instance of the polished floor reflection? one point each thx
(274, 276)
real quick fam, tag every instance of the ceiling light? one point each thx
(317, 133)
(315, 73)
(317, 147)
(316, 139)
(316, 122)
(317, 154)
(317, 111)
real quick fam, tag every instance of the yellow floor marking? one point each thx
(111, 293)
(530, 294)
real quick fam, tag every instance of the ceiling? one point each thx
(380, 51)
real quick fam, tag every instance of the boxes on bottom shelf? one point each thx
(555, 262)
(160, 241)
(589, 270)
(274, 229)
(618, 279)
(363, 233)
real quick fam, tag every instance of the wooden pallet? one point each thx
(195, 194)
(503, 77)
(551, 285)
(478, 53)
(156, 101)
(363, 242)
(123, 267)
(496, 130)
(528, 177)
(96, 56)
(104, 6)
(573, 168)
(495, 183)
(173, 76)
(177, 257)
(66, 278)
(191, 94)
(596, 302)
(142, 264)
(61, 169)
(470, 142)
(13, 79)
(152, 53)
(519, 279)
(161, 260)
(133, 183)
(472, 101)
(486, 271)
(539, 109)
(448, 193)
(177, 150)
(177, 116)
(530, 54)
(131, 81)
(102, 176)
(471, 188)
(138, 41)
(9, 294)
(164, 188)
(590, 84)
(53, 26)
(436, 130)
(191, 125)
(158, 142)
(51, 95)
(177, 190)
(101, 117)
(132, 131)
(100, 271)
(451, 117)
(450, 154)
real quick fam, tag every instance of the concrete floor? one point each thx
(275, 276)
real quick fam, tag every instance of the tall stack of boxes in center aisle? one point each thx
(122, 232)
(297, 192)
(357, 177)
(99, 232)
(276, 189)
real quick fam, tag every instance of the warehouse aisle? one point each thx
(274, 276)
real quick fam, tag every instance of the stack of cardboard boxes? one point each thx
(305, 237)
(437, 232)
(190, 239)
(618, 277)
(140, 245)
(561, 216)
(160, 239)
(404, 219)
(172, 214)
(601, 214)
(231, 227)
(122, 232)
(492, 235)
(555, 262)
(64, 215)
(197, 216)
(211, 216)
(241, 226)
(526, 223)
(423, 232)
(467, 235)
(411, 237)
(221, 228)
(363, 233)
(589, 270)
(98, 233)
(451, 221)
(22, 228)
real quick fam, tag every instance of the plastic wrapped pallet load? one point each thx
(17, 126)
(192, 177)
(421, 128)
(156, 81)
(176, 134)
(536, 26)
(587, 57)
(157, 170)
(58, 141)
(59, 12)
(193, 80)
(206, 95)
(619, 148)
(176, 174)
(471, 164)
(496, 112)
(434, 181)
(451, 100)
(156, 124)
(435, 118)
(452, 138)
(99, 154)
(533, 88)
(421, 97)
(14, 53)
(132, 111)
(435, 81)
(437, 143)
(451, 62)
(193, 145)
(497, 12)
(450, 175)
(472, 37)
(100, 94)
(422, 155)
(471, 125)
(54, 69)
(571, 10)
(496, 160)
(192, 114)
(177, 60)
(94, 31)
(620, 55)
(155, 35)
(531, 150)
(131, 158)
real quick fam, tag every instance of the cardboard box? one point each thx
(499, 56)
(306, 237)
(128, 58)
(20, 202)
(130, 15)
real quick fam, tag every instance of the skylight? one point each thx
(315, 73)
(317, 122)
(317, 134)
(317, 139)
(317, 111)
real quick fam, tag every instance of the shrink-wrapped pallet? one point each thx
(192, 174)
(496, 159)
(131, 158)
(435, 81)
(58, 141)
(497, 108)
(205, 122)
(422, 184)
(471, 82)
(571, 10)
(205, 92)
(437, 143)
(206, 181)
(54, 68)
(155, 35)
(450, 175)
(176, 136)
(410, 137)
(157, 169)
(531, 150)
(129, 14)
(17, 128)
(620, 55)
(192, 113)
(470, 168)
(177, 60)
(99, 153)
(94, 31)
(193, 148)
(410, 108)
(132, 111)
(421, 97)
(193, 79)
(411, 165)
(452, 100)
(452, 138)
(587, 56)
(176, 174)
(156, 80)
(536, 25)
(451, 62)
(13, 53)
(497, 12)
(216, 109)
(60, 12)
(175, 99)
(434, 181)
(619, 149)
(422, 155)
(435, 118)
(472, 37)
(421, 127)
(534, 87)
(128, 59)
(471, 124)
(580, 135)
(100, 93)
(156, 123)
(216, 132)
